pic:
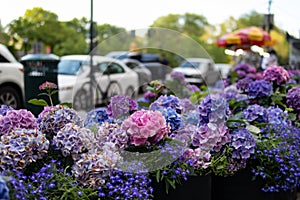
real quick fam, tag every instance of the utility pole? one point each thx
(91, 55)
(269, 17)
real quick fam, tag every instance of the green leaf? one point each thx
(157, 175)
(53, 92)
(172, 183)
(253, 129)
(38, 102)
(70, 105)
(41, 94)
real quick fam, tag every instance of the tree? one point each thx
(190, 24)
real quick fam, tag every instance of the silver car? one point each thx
(144, 74)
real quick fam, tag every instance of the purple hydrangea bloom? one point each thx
(17, 119)
(4, 109)
(276, 74)
(20, 147)
(4, 190)
(148, 95)
(120, 106)
(244, 69)
(258, 89)
(243, 144)
(213, 109)
(243, 84)
(255, 113)
(111, 132)
(73, 139)
(293, 99)
(93, 169)
(97, 117)
(165, 101)
(54, 118)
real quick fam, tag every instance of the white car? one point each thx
(88, 89)
(199, 71)
(11, 80)
(224, 69)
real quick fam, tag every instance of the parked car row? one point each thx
(11, 79)
(115, 73)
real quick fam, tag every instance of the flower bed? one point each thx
(171, 134)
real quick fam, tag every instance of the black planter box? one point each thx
(196, 187)
(242, 187)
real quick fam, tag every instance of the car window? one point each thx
(70, 67)
(132, 65)
(3, 59)
(187, 64)
(114, 68)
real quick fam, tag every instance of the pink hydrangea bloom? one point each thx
(146, 127)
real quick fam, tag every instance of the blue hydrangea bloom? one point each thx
(243, 143)
(255, 113)
(4, 190)
(258, 89)
(97, 117)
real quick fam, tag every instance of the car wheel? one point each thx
(10, 97)
(113, 90)
(130, 92)
(81, 101)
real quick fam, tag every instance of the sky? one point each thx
(138, 14)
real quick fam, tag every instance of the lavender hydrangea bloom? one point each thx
(293, 99)
(186, 105)
(255, 113)
(178, 76)
(193, 88)
(4, 190)
(73, 139)
(184, 134)
(167, 101)
(276, 74)
(121, 105)
(93, 169)
(20, 147)
(55, 118)
(213, 109)
(209, 136)
(258, 89)
(111, 132)
(243, 144)
(4, 109)
(17, 119)
(97, 117)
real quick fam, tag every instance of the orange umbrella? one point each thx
(255, 36)
(245, 37)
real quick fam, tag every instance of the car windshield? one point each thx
(70, 67)
(187, 64)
